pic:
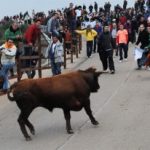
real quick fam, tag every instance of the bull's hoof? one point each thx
(33, 132)
(28, 138)
(95, 122)
(70, 131)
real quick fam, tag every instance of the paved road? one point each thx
(122, 107)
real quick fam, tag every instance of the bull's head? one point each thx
(96, 85)
(92, 78)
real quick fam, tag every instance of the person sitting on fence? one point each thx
(8, 50)
(14, 32)
(55, 55)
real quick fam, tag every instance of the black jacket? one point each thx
(143, 38)
(105, 42)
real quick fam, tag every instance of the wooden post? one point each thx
(40, 57)
(65, 58)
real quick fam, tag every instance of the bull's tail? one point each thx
(10, 91)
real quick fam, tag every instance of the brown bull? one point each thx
(69, 91)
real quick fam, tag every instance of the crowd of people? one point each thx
(107, 31)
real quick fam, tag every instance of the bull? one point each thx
(70, 92)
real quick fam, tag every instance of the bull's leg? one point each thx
(30, 126)
(68, 124)
(89, 112)
(22, 122)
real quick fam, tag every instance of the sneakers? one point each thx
(112, 71)
(120, 61)
(138, 68)
(126, 59)
(106, 71)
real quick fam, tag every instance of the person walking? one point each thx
(142, 42)
(89, 34)
(105, 50)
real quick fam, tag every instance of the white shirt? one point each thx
(53, 47)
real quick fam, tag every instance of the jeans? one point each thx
(123, 47)
(28, 51)
(89, 47)
(4, 73)
(56, 68)
(143, 59)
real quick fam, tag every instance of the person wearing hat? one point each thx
(89, 34)
(55, 55)
(8, 53)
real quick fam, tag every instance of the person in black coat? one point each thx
(143, 40)
(105, 50)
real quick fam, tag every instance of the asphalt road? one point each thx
(122, 107)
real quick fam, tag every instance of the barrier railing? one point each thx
(43, 42)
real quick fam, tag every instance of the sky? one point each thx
(12, 7)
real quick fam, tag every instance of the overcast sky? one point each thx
(12, 7)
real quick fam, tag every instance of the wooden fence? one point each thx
(75, 49)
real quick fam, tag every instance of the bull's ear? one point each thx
(98, 73)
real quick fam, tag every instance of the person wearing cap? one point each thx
(55, 55)
(8, 53)
(89, 34)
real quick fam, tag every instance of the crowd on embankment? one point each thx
(107, 30)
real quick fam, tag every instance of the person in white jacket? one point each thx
(8, 53)
(56, 55)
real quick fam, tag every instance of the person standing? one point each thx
(89, 34)
(8, 53)
(55, 55)
(122, 41)
(125, 3)
(142, 42)
(113, 32)
(105, 50)
(98, 29)
(71, 18)
(31, 35)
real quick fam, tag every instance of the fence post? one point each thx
(40, 57)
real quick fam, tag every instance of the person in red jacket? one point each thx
(31, 36)
(32, 33)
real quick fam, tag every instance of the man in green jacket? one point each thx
(14, 33)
